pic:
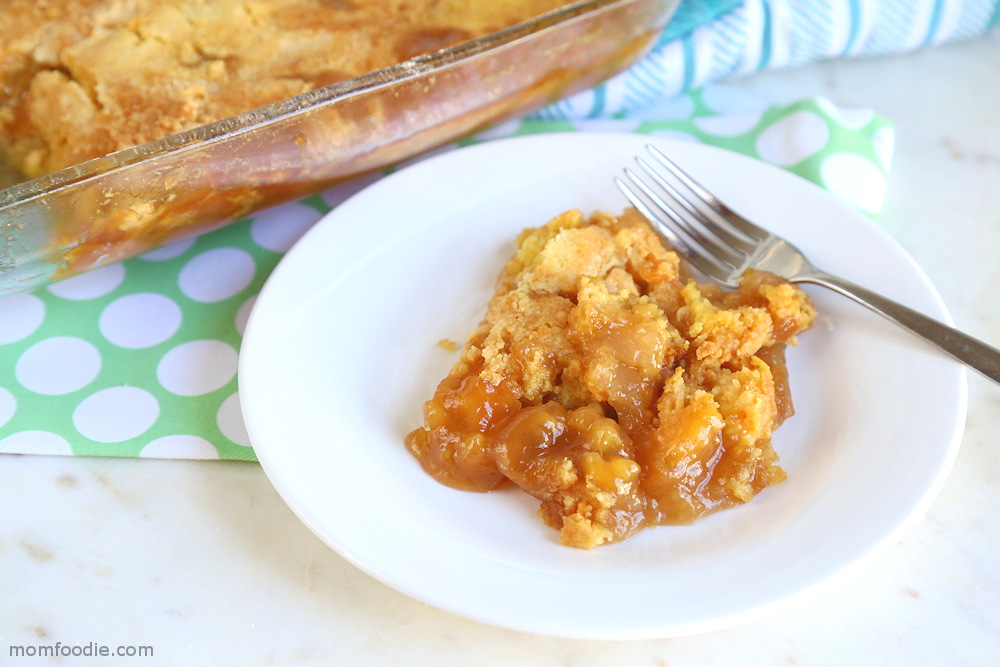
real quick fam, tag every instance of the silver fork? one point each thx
(723, 244)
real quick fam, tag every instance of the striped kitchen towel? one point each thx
(742, 37)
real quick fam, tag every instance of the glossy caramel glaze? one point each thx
(612, 388)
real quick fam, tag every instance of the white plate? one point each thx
(341, 351)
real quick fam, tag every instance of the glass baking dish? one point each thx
(125, 203)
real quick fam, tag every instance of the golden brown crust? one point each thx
(82, 78)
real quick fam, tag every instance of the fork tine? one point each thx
(735, 221)
(738, 244)
(707, 264)
(681, 223)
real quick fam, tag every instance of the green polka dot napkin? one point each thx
(140, 358)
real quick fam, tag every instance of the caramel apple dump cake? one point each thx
(613, 388)
(82, 78)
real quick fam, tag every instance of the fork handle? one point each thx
(970, 351)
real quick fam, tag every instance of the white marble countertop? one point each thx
(204, 562)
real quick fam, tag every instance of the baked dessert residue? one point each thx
(612, 387)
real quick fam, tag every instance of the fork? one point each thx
(722, 245)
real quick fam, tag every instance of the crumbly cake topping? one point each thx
(612, 387)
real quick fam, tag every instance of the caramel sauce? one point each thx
(614, 389)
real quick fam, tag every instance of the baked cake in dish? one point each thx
(83, 78)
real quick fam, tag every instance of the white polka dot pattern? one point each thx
(728, 126)
(279, 229)
(20, 316)
(116, 414)
(216, 275)
(8, 404)
(58, 365)
(140, 320)
(243, 314)
(197, 367)
(179, 447)
(793, 138)
(90, 285)
(140, 358)
(168, 251)
(230, 421)
(34, 442)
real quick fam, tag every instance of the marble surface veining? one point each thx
(204, 562)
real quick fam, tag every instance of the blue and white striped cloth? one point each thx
(713, 40)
